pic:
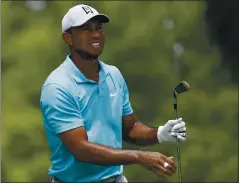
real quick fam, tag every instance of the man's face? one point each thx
(88, 39)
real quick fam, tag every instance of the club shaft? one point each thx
(178, 152)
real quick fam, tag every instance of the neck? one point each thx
(89, 67)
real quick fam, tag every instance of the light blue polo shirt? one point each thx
(70, 100)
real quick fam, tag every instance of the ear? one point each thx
(67, 38)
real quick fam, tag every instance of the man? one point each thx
(87, 112)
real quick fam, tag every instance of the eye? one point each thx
(100, 27)
(85, 28)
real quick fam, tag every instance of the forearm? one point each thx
(104, 155)
(143, 135)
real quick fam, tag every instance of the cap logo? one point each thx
(87, 9)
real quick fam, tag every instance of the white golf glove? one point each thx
(171, 130)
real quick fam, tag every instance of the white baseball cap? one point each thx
(80, 14)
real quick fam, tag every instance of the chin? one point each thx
(96, 54)
(89, 55)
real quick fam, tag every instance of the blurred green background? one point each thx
(155, 45)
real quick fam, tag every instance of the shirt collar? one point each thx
(77, 75)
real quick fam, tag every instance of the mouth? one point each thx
(95, 45)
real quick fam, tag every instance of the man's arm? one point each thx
(83, 150)
(77, 142)
(138, 133)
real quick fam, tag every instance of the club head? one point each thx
(182, 87)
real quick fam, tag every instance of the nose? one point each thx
(95, 34)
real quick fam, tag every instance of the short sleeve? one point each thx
(127, 109)
(59, 109)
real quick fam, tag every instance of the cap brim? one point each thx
(101, 17)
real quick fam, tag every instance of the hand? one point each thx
(155, 162)
(171, 130)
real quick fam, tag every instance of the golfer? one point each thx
(87, 112)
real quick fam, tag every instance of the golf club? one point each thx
(180, 88)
